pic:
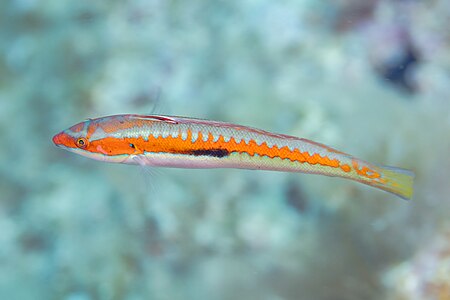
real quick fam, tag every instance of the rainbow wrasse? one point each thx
(180, 142)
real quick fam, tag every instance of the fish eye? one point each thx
(81, 142)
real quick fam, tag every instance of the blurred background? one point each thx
(371, 78)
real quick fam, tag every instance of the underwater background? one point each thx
(371, 78)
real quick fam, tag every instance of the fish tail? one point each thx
(397, 181)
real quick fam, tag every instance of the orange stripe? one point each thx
(346, 168)
(115, 146)
(364, 170)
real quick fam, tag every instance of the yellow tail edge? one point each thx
(398, 181)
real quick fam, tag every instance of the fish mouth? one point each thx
(62, 139)
(57, 139)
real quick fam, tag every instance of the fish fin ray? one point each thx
(397, 181)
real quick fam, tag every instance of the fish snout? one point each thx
(62, 139)
(57, 139)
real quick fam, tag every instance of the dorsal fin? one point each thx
(156, 118)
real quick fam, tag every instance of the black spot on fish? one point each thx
(210, 152)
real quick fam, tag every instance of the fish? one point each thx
(181, 142)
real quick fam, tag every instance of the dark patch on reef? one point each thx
(296, 197)
(210, 152)
(398, 71)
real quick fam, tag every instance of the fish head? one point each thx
(89, 139)
(73, 138)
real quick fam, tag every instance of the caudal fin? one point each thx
(397, 181)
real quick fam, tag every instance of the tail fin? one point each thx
(397, 181)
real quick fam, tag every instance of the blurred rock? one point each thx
(426, 275)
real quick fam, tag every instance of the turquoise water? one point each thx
(368, 79)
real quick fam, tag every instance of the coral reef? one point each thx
(427, 275)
